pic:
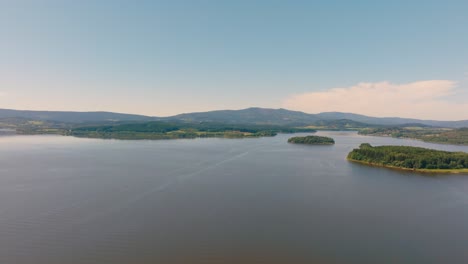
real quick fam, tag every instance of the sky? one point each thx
(159, 58)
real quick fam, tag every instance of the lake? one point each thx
(259, 200)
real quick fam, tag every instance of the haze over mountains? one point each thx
(70, 116)
(252, 115)
(288, 117)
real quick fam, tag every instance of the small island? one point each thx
(411, 158)
(312, 140)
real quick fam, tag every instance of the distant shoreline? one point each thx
(413, 138)
(458, 137)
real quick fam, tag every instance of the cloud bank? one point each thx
(422, 99)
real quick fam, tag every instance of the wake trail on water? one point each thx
(57, 214)
(178, 179)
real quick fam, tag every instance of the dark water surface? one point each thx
(69, 200)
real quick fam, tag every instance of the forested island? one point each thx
(427, 134)
(411, 158)
(312, 140)
(174, 130)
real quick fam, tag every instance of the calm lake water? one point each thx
(69, 200)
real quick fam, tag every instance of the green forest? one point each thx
(410, 157)
(427, 134)
(174, 130)
(312, 140)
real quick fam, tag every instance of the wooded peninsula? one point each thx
(427, 134)
(411, 158)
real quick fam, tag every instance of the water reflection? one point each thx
(70, 200)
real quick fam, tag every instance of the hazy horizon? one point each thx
(162, 58)
(77, 111)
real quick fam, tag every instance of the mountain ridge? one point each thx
(72, 116)
(252, 115)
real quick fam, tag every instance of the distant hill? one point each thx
(250, 115)
(390, 120)
(254, 115)
(71, 117)
(340, 124)
(288, 117)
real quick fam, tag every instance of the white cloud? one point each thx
(422, 99)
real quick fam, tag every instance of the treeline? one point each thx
(170, 130)
(409, 157)
(435, 135)
(312, 140)
(24, 126)
(456, 136)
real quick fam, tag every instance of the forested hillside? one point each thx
(428, 134)
(170, 130)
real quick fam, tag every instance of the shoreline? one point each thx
(418, 139)
(317, 144)
(426, 171)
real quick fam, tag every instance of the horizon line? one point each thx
(215, 110)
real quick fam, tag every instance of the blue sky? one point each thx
(167, 57)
